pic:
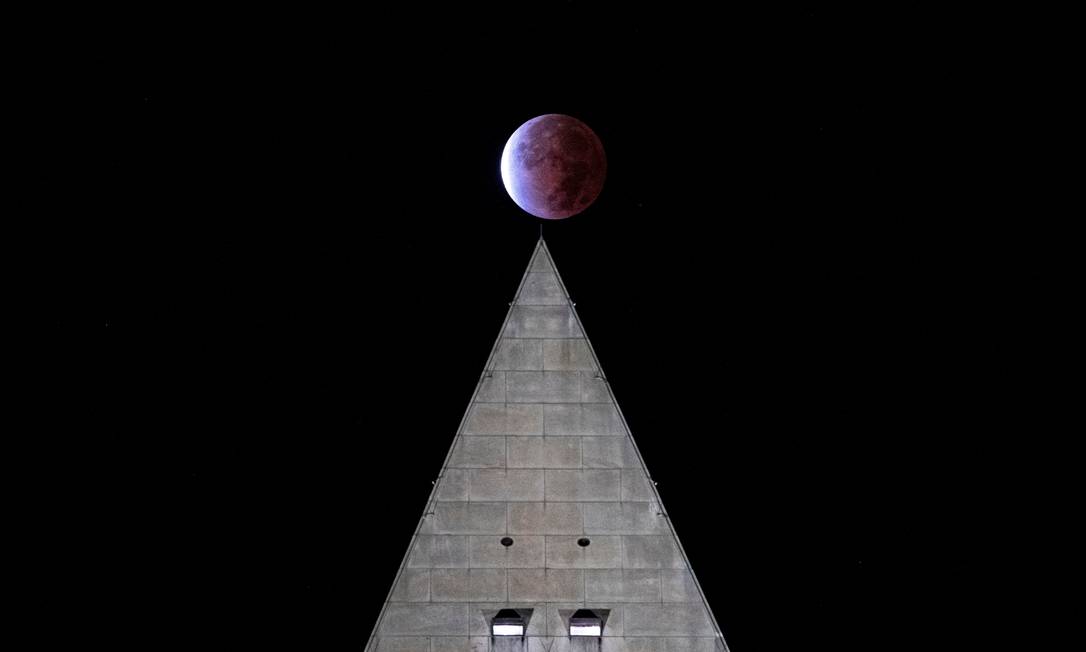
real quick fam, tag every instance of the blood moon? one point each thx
(553, 166)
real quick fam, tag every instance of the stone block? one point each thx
(460, 644)
(562, 452)
(622, 585)
(593, 644)
(467, 585)
(545, 585)
(450, 644)
(679, 586)
(544, 452)
(567, 355)
(478, 452)
(491, 388)
(488, 552)
(636, 486)
(674, 644)
(667, 620)
(577, 420)
(542, 322)
(545, 518)
(602, 552)
(543, 386)
(519, 355)
(541, 289)
(612, 644)
(508, 644)
(525, 452)
(439, 552)
(453, 485)
(403, 644)
(413, 585)
(425, 619)
(466, 518)
(588, 485)
(608, 453)
(594, 389)
(490, 419)
(646, 551)
(624, 518)
(507, 485)
(549, 643)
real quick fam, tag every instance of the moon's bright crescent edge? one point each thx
(506, 168)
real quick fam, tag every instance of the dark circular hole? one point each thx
(506, 541)
(582, 542)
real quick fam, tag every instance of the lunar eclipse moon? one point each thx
(553, 166)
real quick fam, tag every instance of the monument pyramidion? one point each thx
(544, 531)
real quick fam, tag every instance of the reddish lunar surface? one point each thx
(553, 166)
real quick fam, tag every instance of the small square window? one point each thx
(508, 622)
(585, 622)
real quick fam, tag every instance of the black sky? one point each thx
(285, 229)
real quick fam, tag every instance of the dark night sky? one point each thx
(285, 229)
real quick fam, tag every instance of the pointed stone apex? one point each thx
(540, 286)
(541, 260)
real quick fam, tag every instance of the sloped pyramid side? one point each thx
(543, 456)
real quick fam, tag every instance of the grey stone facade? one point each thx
(543, 457)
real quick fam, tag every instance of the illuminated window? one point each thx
(585, 622)
(508, 623)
